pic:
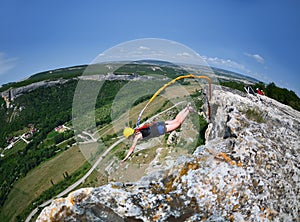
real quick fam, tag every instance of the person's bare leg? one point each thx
(174, 124)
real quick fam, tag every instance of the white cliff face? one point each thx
(16, 92)
(248, 170)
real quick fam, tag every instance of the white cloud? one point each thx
(184, 54)
(6, 63)
(144, 48)
(256, 57)
(231, 65)
(225, 63)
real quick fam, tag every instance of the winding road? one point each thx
(82, 179)
(77, 183)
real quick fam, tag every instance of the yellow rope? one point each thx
(170, 83)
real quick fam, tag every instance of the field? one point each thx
(38, 180)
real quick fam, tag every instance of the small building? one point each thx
(60, 129)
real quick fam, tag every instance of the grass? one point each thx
(91, 151)
(49, 141)
(255, 115)
(54, 191)
(19, 146)
(94, 180)
(37, 181)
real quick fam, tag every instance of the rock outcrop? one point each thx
(248, 170)
(13, 93)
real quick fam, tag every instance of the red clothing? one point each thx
(260, 92)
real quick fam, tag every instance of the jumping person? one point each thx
(154, 130)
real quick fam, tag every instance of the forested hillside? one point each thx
(45, 108)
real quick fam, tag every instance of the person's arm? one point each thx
(130, 151)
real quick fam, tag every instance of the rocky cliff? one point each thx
(13, 93)
(248, 170)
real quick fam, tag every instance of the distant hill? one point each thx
(75, 71)
(61, 73)
(223, 72)
(148, 67)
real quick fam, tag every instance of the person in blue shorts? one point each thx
(154, 130)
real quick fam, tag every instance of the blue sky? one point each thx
(259, 38)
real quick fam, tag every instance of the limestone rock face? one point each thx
(16, 92)
(248, 170)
